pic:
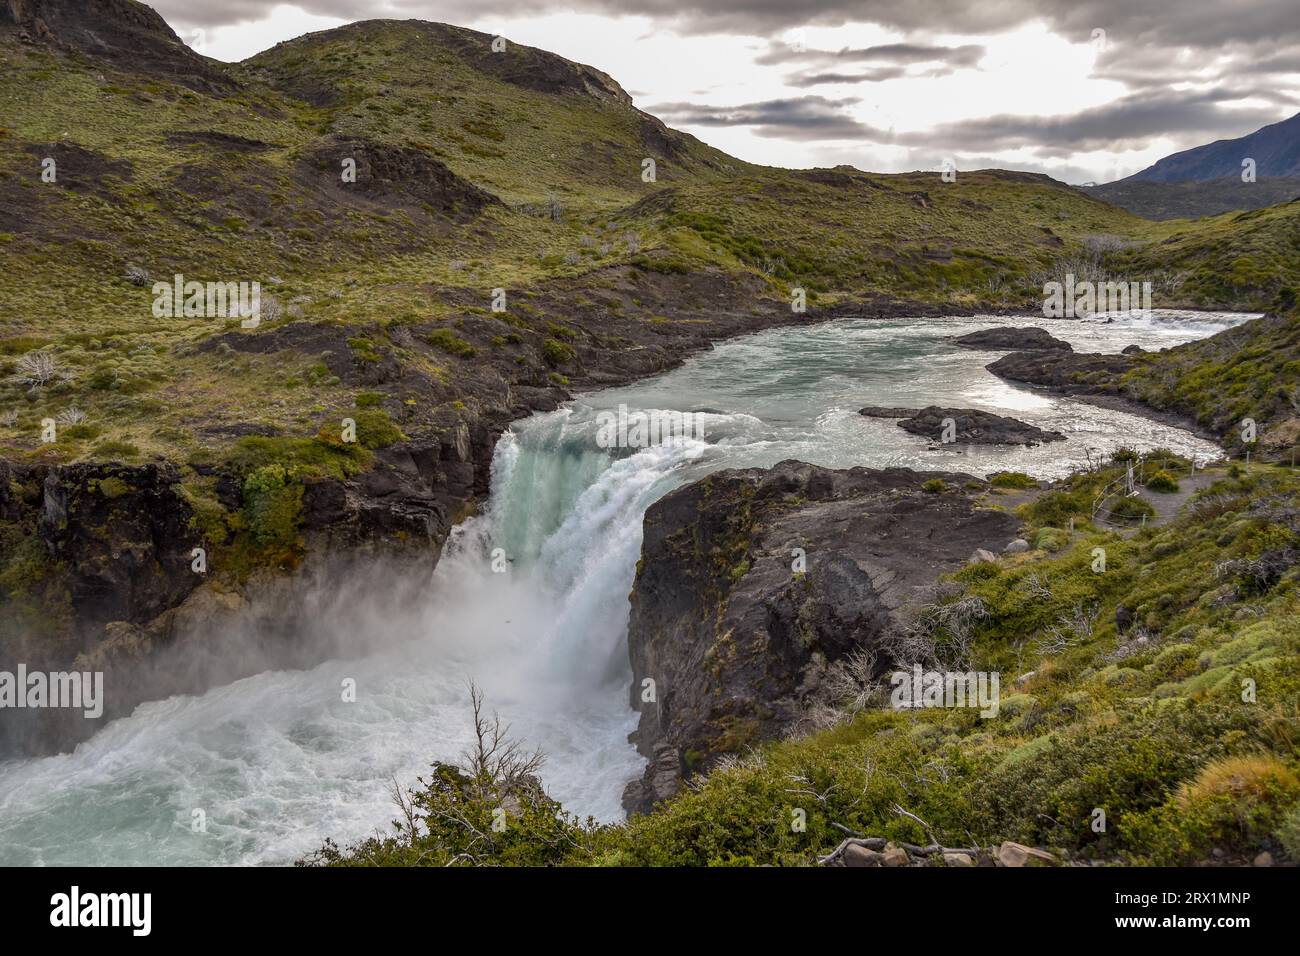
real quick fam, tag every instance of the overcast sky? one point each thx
(1079, 89)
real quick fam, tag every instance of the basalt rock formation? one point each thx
(1066, 372)
(1012, 338)
(973, 427)
(752, 582)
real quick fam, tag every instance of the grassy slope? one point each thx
(1252, 372)
(1241, 260)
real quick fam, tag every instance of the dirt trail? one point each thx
(1166, 504)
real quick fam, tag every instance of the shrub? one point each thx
(375, 429)
(1012, 479)
(1288, 833)
(449, 342)
(1131, 508)
(36, 369)
(1233, 804)
(364, 349)
(1162, 481)
(111, 448)
(935, 486)
(1056, 508)
(273, 507)
(1051, 539)
(556, 352)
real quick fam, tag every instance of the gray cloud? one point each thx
(871, 76)
(1128, 123)
(897, 59)
(897, 53)
(797, 118)
(1206, 24)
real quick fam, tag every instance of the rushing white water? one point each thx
(278, 761)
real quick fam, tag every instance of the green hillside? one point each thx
(477, 170)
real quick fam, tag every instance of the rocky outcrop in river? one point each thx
(1012, 338)
(963, 426)
(752, 582)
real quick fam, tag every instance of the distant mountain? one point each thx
(1206, 180)
(1275, 150)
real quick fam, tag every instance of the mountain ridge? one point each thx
(1275, 148)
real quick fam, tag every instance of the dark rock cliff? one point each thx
(127, 34)
(735, 631)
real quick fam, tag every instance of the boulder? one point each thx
(1018, 855)
(894, 856)
(965, 426)
(1012, 339)
(1018, 546)
(855, 855)
(1066, 372)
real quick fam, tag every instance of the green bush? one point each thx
(1051, 539)
(1012, 479)
(273, 507)
(110, 449)
(450, 342)
(1162, 481)
(375, 429)
(556, 353)
(1130, 508)
(1056, 508)
(935, 486)
(1233, 804)
(1288, 833)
